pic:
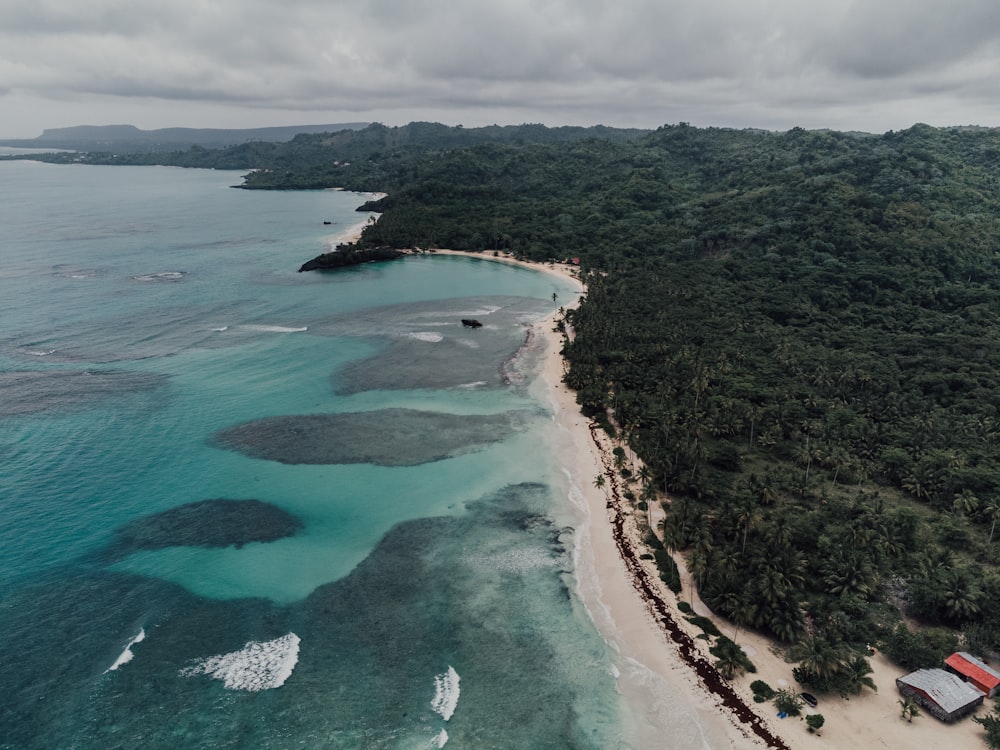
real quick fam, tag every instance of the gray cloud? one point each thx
(758, 63)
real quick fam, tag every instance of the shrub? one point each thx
(789, 702)
(706, 625)
(815, 721)
(761, 691)
(668, 570)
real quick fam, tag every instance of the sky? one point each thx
(870, 65)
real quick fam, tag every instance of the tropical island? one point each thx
(789, 342)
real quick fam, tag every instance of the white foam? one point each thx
(521, 561)
(163, 276)
(221, 329)
(429, 336)
(127, 655)
(476, 384)
(446, 693)
(255, 667)
(274, 329)
(40, 352)
(440, 739)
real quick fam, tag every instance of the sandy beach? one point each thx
(638, 616)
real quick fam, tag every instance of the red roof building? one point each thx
(972, 670)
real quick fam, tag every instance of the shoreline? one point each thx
(667, 678)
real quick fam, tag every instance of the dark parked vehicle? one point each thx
(809, 698)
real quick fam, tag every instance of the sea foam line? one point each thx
(255, 667)
(440, 739)
(274, 329)
(446, 693)
(126, 656)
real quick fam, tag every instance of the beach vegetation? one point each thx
(991, 723)
(908, 708)
(788, 702)
(923, 649)
(815, 722)
(706, 624)
(731, 659)
(762, 692)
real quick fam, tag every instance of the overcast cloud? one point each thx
(870, 65)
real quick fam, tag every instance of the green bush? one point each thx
(705, 624)
(926, 648)
(815, 721)
(761, 691)
(789, 702)
(669, 573)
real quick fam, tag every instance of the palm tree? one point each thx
(908, 708)
(644, 474)
(991, 509)
(730, 658)
(600, 481)
(966, 502)
(961, 596)
(858, 670)
(819, 656)
(749, 515)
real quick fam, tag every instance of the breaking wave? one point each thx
(255, 667)
(164, 276)
(127, 655)
(274, 329)
(429, 336)
(440, 739)
(446, 694)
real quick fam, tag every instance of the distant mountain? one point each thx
(130, 139)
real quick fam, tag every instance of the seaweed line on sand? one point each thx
(689, 652)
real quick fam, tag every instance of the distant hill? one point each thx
(130, 139)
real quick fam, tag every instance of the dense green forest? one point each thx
(796, 332)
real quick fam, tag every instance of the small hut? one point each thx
(974, 671)
(941, 693)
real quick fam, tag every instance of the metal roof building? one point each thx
(971, 669)
(942, 693)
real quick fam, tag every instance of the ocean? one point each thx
(244, 507)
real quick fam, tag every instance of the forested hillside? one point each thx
(796, 332)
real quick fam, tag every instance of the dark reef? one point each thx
(386, 437)
(207, 523)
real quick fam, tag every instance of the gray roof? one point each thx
(947, 690)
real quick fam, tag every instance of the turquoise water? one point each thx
(380, 557)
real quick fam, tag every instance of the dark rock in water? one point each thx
(386, 437)
(469, 323)
(350, 255)
(207, 523)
